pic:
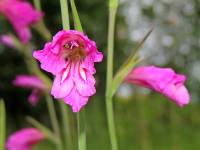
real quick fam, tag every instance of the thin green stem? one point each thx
(65, 14)
(81, 130)
(109, 102)
(48, 133)
(37, 4)
(2, 124)
(64, 112)
(111, 124)
(41, 27)
(54, 119)
(77, 22)
(81, 115)
(65, 125)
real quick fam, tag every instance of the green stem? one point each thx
(65, 14)
(65, 126)
(54, 119)
(64, 112)
(37, 5)
(2, 124)
(81, 115)
(77, 22)
(81, 130)
(111, 124)
(109, 102)
(41, 27)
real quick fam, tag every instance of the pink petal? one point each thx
(24, 139)
(84, 82)
(62, 87)
(30, 82)
(163, 80)
(75, 100)
(34, 97)
(49, 61)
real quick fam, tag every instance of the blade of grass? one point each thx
(77, 22)
(128, 64)
(53, 119)
(65, 14)
(81, 115)
(113, 5)
(64, 112)
(2, 125)
(43, 129)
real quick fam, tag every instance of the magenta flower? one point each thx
(31, 82)
(24, 139)
(70, 56)
(7, 40)
(162, 80)
(21, 15)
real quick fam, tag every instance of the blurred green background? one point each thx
(144, 120)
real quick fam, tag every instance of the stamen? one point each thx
(73, 51)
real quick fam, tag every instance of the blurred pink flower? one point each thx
(70, 56)
(31, 82)
(24, 139)
(7, 40)
(163, 80)
(21, 15)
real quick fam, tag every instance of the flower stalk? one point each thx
(40, 26)
(81, 130)
(113, 4)
(65, 14)
(64, 112)
(2, 124)
(81, 124)
(54, 119)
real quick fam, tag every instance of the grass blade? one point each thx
(43, 129)
(128, 64)
(77, 22)
(2, 125)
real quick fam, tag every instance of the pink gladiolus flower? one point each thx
(7, 40)
(70, 56)
(31, 82)
(21, 14)
(163, 80)
(24, 139)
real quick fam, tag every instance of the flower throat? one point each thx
(74, 51)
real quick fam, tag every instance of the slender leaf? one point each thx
(37, 4)
(44, 129)
(77, 22)
(132, 60)
(2, 125)
(65, 14)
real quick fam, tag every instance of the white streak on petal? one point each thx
(65, 73)
(83, 74)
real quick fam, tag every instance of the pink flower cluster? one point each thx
(70, 56)
(21, 15)
(31, 82)
(24, 139)
(162, 80)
